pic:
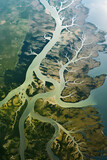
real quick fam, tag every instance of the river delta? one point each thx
(46, 109)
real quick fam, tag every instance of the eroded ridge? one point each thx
(56, 92)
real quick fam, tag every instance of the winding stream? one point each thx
(59, 86)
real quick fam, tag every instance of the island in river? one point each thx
(74, 129)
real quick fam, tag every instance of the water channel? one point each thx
(97, 96)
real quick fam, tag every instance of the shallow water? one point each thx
(98, 16)
(97, 13)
